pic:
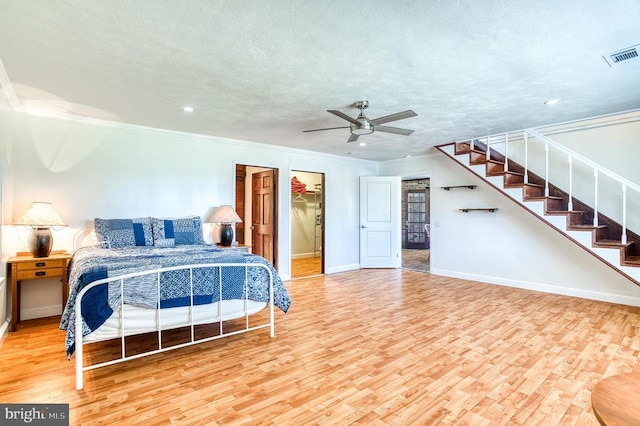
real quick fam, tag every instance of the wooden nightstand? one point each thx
(239, 247)
(26, 267)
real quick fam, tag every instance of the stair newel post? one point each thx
(570, 183)
(546, 169)
(506, 152)
(624, 214)
(595, 202)
(526, 156)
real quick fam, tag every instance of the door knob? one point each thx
(363, 226)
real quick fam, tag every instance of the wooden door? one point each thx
(416, 208)
(263, 227)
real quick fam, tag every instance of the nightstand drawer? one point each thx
(40, 273)
(41, 264)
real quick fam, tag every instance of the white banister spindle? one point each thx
(595, 202)
(546, 169)
(472, 145)
(624, 214)
(158, 315)
(570, 183)
(487, 156)
(526, 156)
(123, 343)
(506, 152)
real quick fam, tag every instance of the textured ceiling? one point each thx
(263, 71)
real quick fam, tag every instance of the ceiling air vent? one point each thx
(624, 55)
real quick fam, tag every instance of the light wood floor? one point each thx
(305, 267)
(418, 260)
(380, 347)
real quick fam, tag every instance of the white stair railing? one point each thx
(529, 136)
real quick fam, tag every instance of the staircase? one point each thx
(604, 238)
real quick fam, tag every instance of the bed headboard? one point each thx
(84, 237)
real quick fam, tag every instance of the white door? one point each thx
(380, 239)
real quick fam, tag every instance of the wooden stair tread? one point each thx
(611, 243)
(586, 227)
(631, 261)
(542, 198)
(563, 212)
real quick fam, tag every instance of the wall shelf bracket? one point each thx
(447, 188)
(487, 209)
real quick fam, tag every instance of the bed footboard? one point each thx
(191, 323)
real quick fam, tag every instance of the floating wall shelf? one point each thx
(447, 188)
(488, 209)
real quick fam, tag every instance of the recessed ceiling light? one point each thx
(552, 102)
(407, 156)
(187, 109)
(362, 144)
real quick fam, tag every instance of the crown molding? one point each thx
(154, 130)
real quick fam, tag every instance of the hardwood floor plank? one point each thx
(363, 347)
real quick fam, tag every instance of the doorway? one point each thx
(307, 224)
(256, 201)
(416, 227)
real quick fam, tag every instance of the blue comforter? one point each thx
(90, 264)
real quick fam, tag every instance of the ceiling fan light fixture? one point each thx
(364, 128)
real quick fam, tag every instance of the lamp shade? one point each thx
(41, 215)
(225, 214)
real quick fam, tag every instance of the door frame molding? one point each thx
(323, 213)
(276, 198)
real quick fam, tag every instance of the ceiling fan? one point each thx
(363, 126)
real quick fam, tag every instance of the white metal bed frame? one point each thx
(81, 368)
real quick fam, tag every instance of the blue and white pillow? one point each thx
(119, 233)
(174, 232)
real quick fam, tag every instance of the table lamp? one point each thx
(226, 216)
(40, 217)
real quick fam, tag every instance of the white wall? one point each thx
(509, 247)
(90, 171)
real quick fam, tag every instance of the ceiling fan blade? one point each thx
(328, 128)
(343, 116)
(353, 138)
(393, 117)
(396, 130)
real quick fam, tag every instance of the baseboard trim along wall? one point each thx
(343, 268)
(40, 312)
(545, 288)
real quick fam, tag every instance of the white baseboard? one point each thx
(342, 268)
(4, 330)
(40, 312)
(303, 255)
(284, 277)
(545, 288)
